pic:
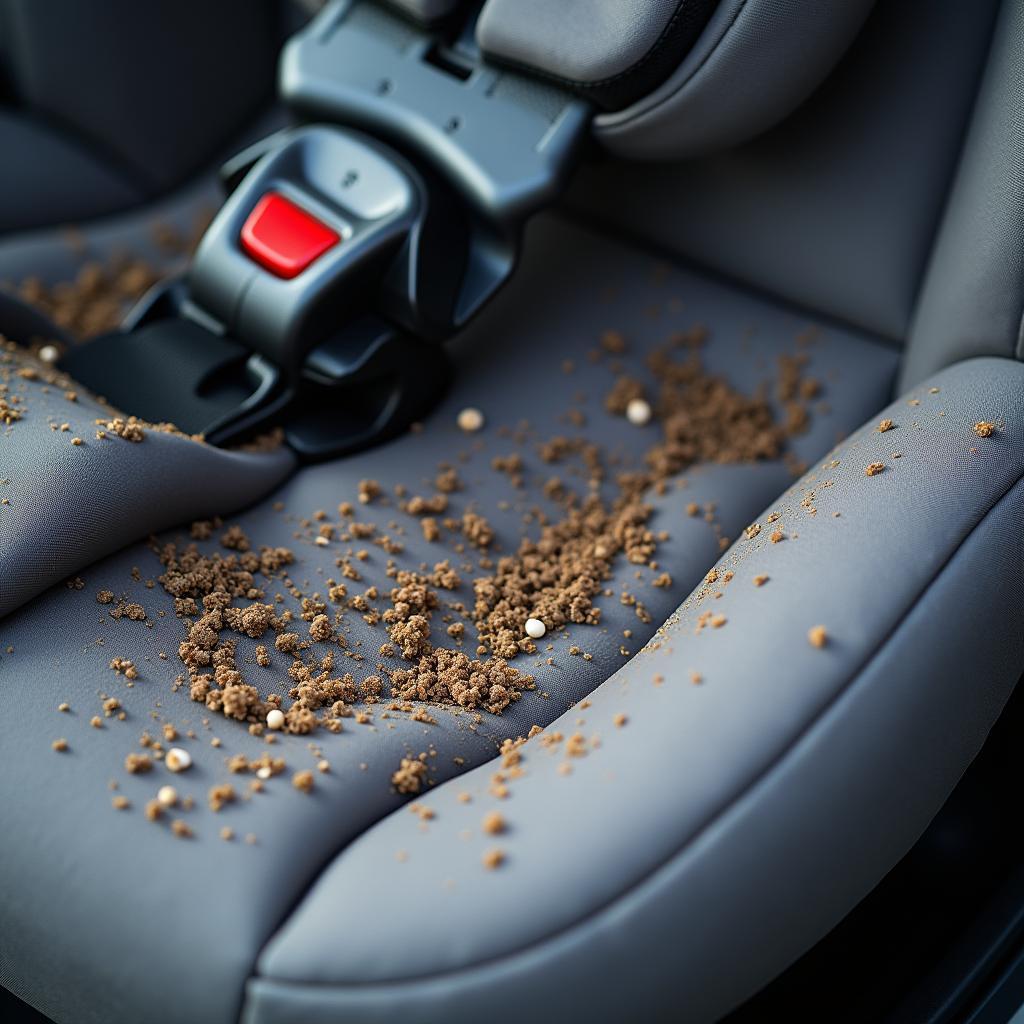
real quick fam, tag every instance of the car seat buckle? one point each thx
(347, 249)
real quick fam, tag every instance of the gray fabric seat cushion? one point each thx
(728, 826)
(205, 908)
(67, 505)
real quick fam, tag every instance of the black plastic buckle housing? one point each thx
(347, 352)
(505, 141)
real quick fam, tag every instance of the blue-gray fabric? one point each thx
(973, 293)
(729, 825)
(148, 927)
(68, 505)
(836, 207)
(578, 40)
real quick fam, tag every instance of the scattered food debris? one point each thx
(638, 412)
(411, 775)
(493, 823)
(535, 629)
(178, 760)
(470, 420)
(167, 796)
(493, 859)
(138, 764)
(181, 829)
(817, 636)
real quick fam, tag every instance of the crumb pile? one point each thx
(551, 581)
(96, 299)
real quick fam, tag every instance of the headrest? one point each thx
(675, 78)
(426, 12)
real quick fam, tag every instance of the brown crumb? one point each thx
(138, 764)
(129, 429)
(220, 796)
(60, 745)
(885, 425)
(761, 579)
(874, 469)
(983, 428)
(817, 636)
(120, 802)
(303, 781)
(181, 829)
(620, 719)
(493, 823)
(493, 859)
(410, 775)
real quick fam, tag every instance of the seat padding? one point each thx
(177, 931)
(726, 826)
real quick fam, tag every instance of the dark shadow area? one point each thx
(941, 939)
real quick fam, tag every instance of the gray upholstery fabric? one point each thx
(177, 931)
(575, 39)
(837, 207)
(754, 64)
(973, 294)
(69, 505)
(727, 826)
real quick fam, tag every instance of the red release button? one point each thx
(284, 238)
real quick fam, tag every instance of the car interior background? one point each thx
(511, 510)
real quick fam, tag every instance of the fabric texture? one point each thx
(572, 287)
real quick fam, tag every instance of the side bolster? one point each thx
(698, 848)
(66, 505)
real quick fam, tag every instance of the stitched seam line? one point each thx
(576, 84)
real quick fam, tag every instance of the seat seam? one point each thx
(683, 849)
